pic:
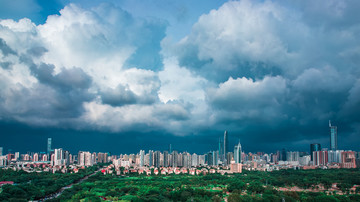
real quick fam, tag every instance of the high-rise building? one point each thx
(142, 158)
(333, 137)
(59, 157)
(194, 160)
(215, 158)
(157, 159)
(314, 147)
(292, 156)
(235, 167)
(348, 159)
(1, 151)
(102, 157)
(49, 145)
(151, 158)
(221, 156)
(237, 153)
(229, 156)
(210, 159)
(225, 149)
(86, 158)
(334, 156)
(166, 159)
(175, 159)
(320, 157)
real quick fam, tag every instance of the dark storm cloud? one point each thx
(57, 98)
(271, 73)
(279, 76)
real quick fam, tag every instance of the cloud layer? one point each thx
(274, 71)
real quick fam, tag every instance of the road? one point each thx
(60, 191)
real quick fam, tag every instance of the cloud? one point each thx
(51, 70)
(266, 71)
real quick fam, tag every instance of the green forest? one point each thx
(34, 185)
(247, 186)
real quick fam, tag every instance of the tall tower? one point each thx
(237, 153)
(220, 151)
(225, 146)
(333, 137)
(142, 158)
(49, 145)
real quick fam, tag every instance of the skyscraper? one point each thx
(49, 145)
(157, 159)
(166, 158)
(151, 158)
(314, 147)
(220, 151)
(58, 157)
(225, 146)
(142, 158)
(333, 137)
(237, 153)
(1, 151)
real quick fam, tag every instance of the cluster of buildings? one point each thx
(225, 159)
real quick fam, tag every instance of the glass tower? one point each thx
(225, 146)
(237, 153)
(333, 137)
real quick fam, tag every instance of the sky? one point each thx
(120, 76)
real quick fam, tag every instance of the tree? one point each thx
(238, 185)
(234, 197)
(216, 198)
(255, 187)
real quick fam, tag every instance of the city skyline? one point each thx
(223, 147)
(130, 75)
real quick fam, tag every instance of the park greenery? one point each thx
(248, 186)
(36, 185)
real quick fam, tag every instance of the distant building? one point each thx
(292, 156)
(237, 153)
(102, 157)
(304, 160)
(36, 157)
(151, 158)
(348, 159)
(1, 151)
(320, 158)
(335, 156)
(166, 159)
(86, 159)
(59, 157)
(225, 149)
(333, 137)
(142, 158)
(157, 159)
(314, 147)
(235, 167)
